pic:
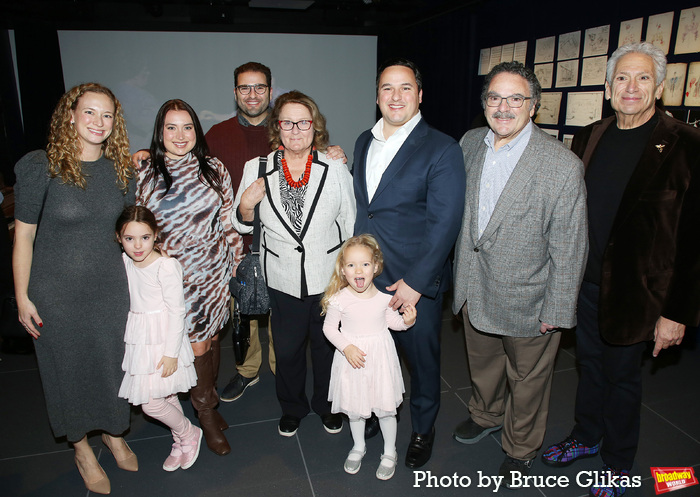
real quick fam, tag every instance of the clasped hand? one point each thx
(169, 365)
(355, 355)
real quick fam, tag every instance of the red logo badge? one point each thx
(669, 479)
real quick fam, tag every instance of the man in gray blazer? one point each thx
(519, 262)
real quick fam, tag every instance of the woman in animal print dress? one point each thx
(192, 198)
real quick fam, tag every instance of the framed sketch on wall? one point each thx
(596, 41)
(567, 139)
(507, 53)
(593, 71)
(544, 73)
(495, 57)
(583, 108)
(544, 49)
(674, 84)
(630, 32)
(567, 73)
(548, 113)
(659, 30)
(688, 36)
(569, 45)
(692, 88)
(520, 51)
(551, 132)
(484, 58)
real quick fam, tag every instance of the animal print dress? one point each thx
(196, 229)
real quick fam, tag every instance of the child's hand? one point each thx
(169, 365)
(354, 356)
(409, 314)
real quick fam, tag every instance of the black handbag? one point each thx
(248, 287)
(241, 333)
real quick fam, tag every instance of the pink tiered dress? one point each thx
(378, 387)
(155, 328)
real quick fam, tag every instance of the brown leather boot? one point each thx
(216, 361)
(215, 358)
(204, 399)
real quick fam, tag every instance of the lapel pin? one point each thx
(660, 148)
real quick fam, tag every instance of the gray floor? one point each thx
(33, 463)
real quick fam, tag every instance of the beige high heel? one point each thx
(129, 463)
(101, 486)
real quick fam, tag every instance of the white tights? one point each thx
(387, 425)
(169, 412)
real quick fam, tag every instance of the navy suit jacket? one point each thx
(416, 212)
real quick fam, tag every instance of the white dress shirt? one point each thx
(382, 151)
(498, 166)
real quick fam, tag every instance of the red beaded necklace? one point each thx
(304, 177)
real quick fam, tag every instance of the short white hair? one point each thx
(645, 48)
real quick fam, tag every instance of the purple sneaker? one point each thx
(614, 483)
(566, 452)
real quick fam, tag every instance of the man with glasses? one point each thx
(234, 142)
(519, 262)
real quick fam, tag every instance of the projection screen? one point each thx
(144, 69)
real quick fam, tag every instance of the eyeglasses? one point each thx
(301, 125)
(245, 89)
(514, 101)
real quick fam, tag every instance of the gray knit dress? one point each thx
(79, 287)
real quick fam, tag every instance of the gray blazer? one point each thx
(288, 259)
(528, 265)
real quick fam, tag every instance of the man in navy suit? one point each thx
(409, 184)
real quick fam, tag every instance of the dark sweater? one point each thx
(234, 145)
(607, 175)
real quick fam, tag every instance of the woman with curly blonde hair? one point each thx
(70, 281)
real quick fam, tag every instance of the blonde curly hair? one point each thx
(338, 280)
(64, 148)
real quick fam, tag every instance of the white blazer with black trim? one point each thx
(301, 264)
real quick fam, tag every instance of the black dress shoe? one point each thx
(420, 449)
(288, 425)
(333, 423)
(371, 426)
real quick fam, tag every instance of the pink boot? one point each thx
(190, 448)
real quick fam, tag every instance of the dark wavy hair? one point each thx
(207, 174)
(518, 69)
(253, 67)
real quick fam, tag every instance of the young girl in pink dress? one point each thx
(158, 359)
(366, 375)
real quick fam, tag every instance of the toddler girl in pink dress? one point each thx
(366, 374)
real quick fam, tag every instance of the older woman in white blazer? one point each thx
(307, 210)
